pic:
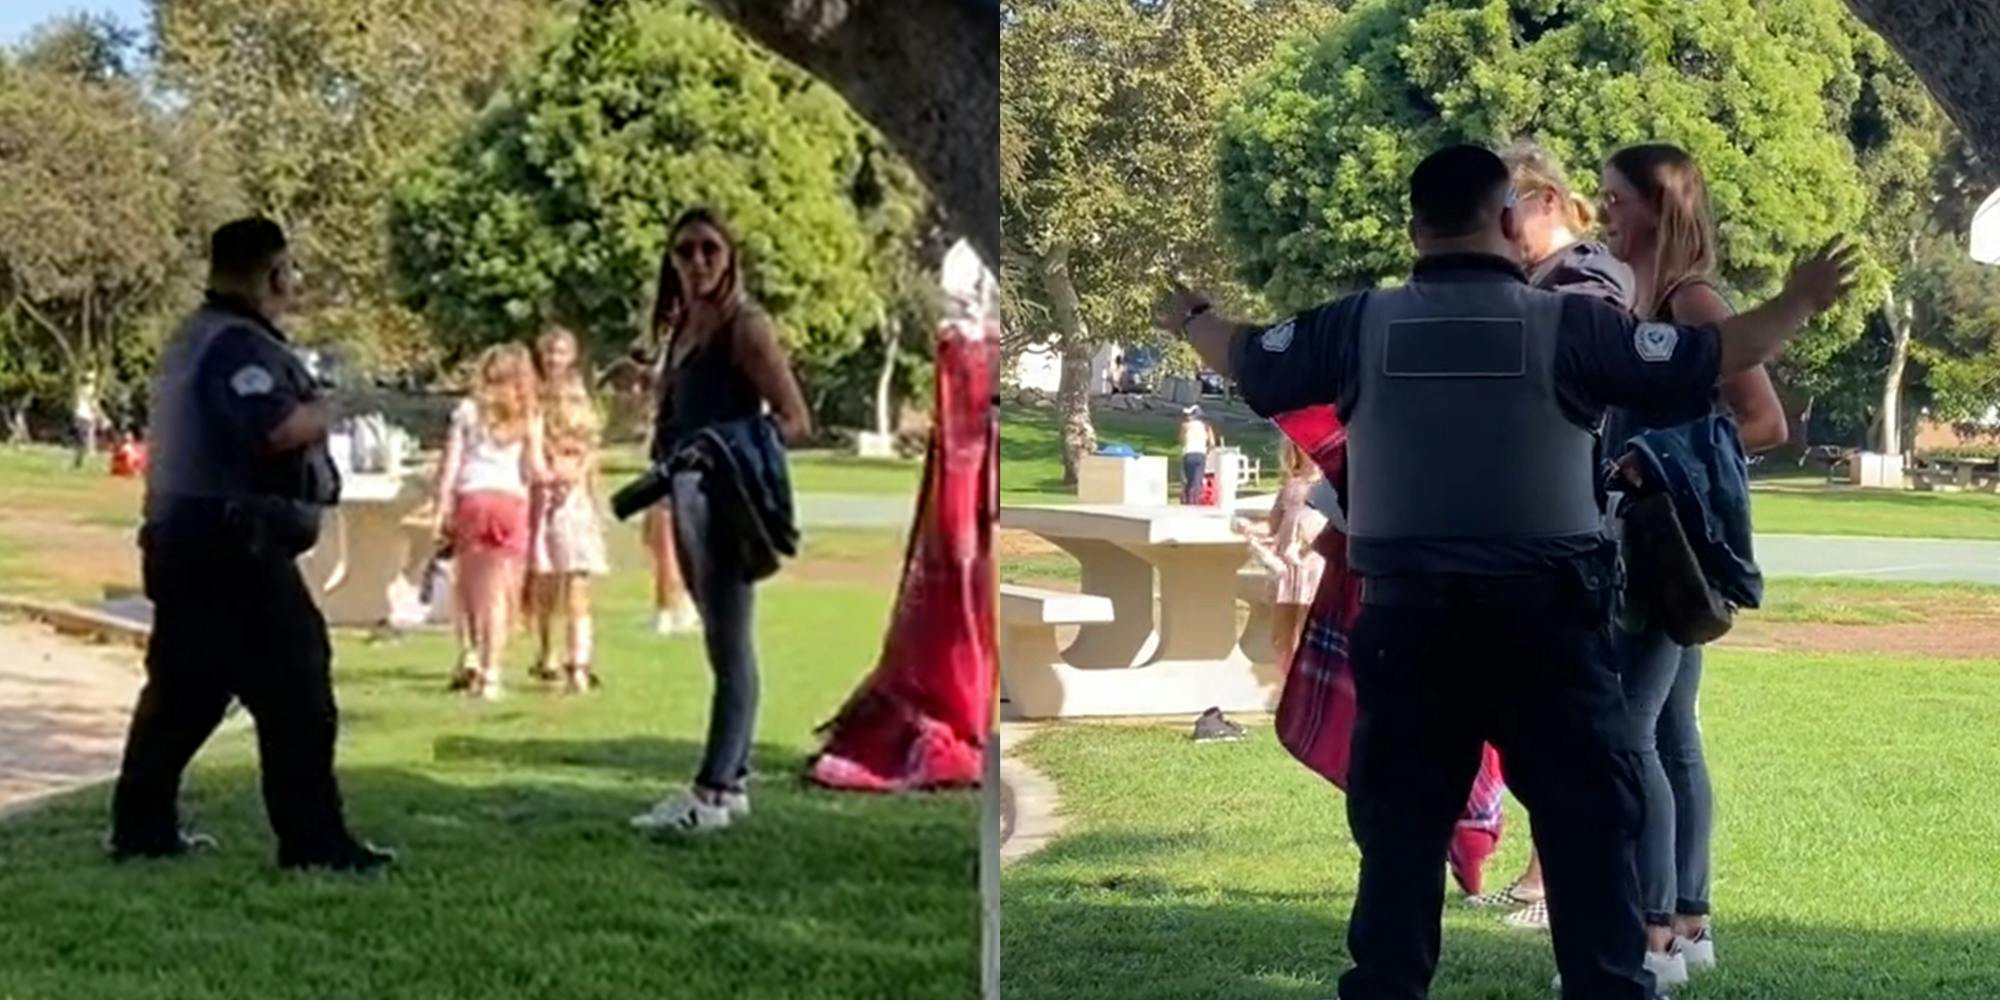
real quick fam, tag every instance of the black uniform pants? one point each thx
(1527, 667)
(224, 626)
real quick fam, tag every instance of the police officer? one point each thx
(240, 476)
(1473, 498)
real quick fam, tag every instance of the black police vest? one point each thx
(194, 461)
(1456, 433)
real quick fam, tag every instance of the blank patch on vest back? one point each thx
(1461, 347)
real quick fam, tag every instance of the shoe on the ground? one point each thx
(185, 842)
(1532, 917)
(1213, 728)
(1669, 970)
(464, 679)
(1514, 896)
(663, 623)
(488, 687)
(686, 812)
(546, 672)
(353, 858)
(687, 619)
(1698, 950)
(578, 678)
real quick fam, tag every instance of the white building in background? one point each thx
(1039, 367)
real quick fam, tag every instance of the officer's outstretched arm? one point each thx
(1757, 336)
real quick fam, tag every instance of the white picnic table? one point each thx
(364, 547)
(1190, 653)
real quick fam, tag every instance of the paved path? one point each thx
(1909, 559)
(63, 707)
(855, 510)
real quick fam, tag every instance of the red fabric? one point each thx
(1316, 710)
(128, 460)
(922, 719)
(488, 520)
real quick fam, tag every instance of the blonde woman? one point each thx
(1284, 546)
(567, 547)
(493, 455)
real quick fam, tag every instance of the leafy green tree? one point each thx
(1315, 152)
(100, 210)
(556, 207)
(322, 104)
(1108, 112)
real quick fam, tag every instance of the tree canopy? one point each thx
(556, 206)
(106, 197)
(322, 104)
(1315, 153)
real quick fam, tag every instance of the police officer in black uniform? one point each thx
(239, 478)
(1471, 401)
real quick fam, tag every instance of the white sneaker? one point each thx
(687, 620)
(663, 623)
(1669, 970)
(685, 812)
(1698, 950)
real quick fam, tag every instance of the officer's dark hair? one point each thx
(1452, 188)
(241, 250)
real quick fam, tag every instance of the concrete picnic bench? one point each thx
(1125, 659)
(364, 548)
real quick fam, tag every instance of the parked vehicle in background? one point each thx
(1141, 371)
(1212, 384)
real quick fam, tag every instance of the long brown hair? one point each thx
(504, 390)
(670, 305)
(1684, 239)
(571, 423)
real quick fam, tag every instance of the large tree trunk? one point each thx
(1079, 438)
(1897, 313)
(1951, 44)
(926, 73)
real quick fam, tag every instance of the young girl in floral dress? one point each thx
(567, 547)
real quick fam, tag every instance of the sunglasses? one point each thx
(698, 250)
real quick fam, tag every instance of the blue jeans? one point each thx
(1662, 684)
(1193, 466)
(727, 600)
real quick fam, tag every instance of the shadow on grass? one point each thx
(1143, 939)
(637, 758)
(524, 886)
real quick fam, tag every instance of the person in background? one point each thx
(492, 456)
(1197, 438)
(1658, 220)
(723, 368)
(567, 547)
(1284, 547)
(674, 611)
(87, 416)
(1554, 221)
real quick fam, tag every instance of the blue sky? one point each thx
(19, 17)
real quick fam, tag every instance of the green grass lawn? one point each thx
(519, 876)
(1031, 473)
(1031, 445)
(1854, 853)
(812, 471)
(1786, 508)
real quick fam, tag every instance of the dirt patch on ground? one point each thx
(71, 558)
(1013, 543)
(1963, 639)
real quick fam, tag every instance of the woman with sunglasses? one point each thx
(723, 366)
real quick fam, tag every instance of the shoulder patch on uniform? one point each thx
(1278, 339)
(251, 380)
(1655, 342)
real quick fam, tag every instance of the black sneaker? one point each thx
(184, 843)
(356, 858)
(1213, 728)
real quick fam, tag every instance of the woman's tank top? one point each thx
(708, 387)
